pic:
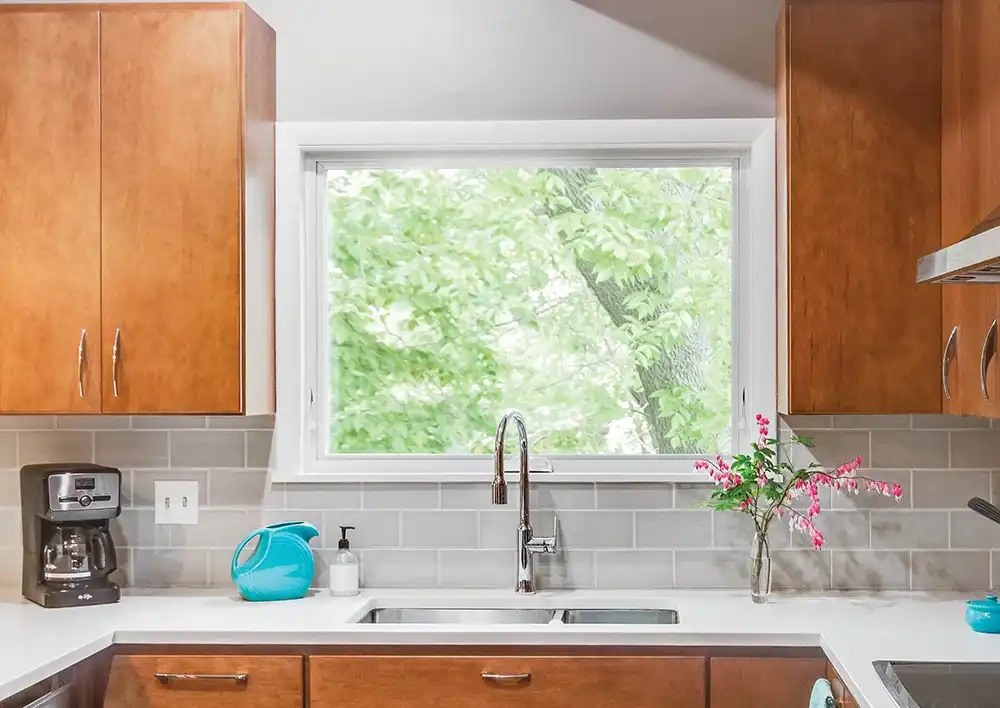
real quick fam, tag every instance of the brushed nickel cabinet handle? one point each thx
(989, 349)
(114, 362)
(946, 359)
(489, 676)
(79, 361)
(167, 678)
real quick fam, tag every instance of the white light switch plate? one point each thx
(176, 502)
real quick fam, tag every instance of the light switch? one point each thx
(176, 502)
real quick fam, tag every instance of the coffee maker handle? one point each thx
(106, 558)
(259, 552)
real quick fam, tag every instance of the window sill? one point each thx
(372, 476)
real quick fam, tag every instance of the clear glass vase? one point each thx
(760, 568)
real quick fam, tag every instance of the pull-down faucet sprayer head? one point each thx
(499, 489)
(499, 480)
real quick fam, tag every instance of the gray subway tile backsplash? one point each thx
(594, 529)
(969, 530)
(644, 535)
(208, 448)
(674, 528)
(439, 529)
(711, 568)
(634, 570)
(132, 448)
(54, 446)
(399, 568)
(477, 568)
(892, 530)
(372, 528)
(870, 570)
(975, 449)
(401, 496)
(801, 570)
(635, 496)
(951, 570)
(841, 530)
(907, 449)
(948, 489)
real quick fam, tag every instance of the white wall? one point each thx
(521, 59)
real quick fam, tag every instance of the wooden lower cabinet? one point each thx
(208, 681)
(840, 693)
(763, 683)
(499, 682)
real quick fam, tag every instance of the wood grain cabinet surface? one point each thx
(859, 143)
(50, 213)
(137, 197)
(970, 171)
(763, 683)
(840, 693)
(205, 682)
(536, 682)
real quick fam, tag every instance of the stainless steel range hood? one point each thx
(975, 259)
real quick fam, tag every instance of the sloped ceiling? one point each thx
(735, 35)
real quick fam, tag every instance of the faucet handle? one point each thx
(541, 544)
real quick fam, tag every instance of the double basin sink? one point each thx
(479, 616)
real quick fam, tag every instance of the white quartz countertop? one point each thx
(853, 629)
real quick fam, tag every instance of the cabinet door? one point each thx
(535, 682)
(50, 220)
(862, 144)
(970, 191)
(774, 683)
(840, 693)
(204, 682)
(171, 210)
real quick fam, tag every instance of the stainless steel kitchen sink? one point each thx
(450, 615)
(620, 616)
(454, 615)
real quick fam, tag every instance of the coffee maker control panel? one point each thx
(72, 491)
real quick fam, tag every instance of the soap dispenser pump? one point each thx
(344, 574)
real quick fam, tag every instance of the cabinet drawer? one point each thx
(205, 682)
(529, 681)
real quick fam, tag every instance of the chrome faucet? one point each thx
(527, 544)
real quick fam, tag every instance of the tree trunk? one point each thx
(675, 366)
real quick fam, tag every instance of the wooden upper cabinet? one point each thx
(970, 171)
(50, 219)
(859, 108)
(209, 681)
(534, 682)
(187, 97)
(774, 683)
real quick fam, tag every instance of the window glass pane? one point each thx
(596, 301)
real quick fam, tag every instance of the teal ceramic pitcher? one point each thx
(280, 567)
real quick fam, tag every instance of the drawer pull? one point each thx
(489, 676)
(167, 678)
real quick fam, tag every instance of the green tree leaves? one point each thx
(596, 301)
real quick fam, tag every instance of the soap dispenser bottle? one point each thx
(344, 568)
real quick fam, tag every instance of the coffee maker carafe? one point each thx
(66, 510)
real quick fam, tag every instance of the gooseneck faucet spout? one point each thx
(527, 544)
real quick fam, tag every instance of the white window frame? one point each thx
(302, 148)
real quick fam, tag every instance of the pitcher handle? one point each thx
(262, 546)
